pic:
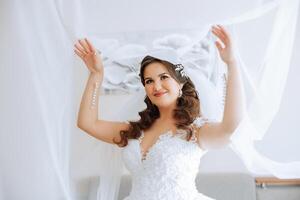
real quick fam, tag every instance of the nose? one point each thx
(157, 86)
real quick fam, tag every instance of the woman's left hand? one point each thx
(226, 47)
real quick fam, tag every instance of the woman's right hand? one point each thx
(86, 51)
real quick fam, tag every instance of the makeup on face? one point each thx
(162, 76)
(160, 86)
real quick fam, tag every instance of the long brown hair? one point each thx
(186, 111)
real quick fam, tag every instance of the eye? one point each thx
(164, 77)
(148, 81)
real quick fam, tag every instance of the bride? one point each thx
(162, 150)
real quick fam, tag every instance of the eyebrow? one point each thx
(158, 75)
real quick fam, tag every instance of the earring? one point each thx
(180, 93)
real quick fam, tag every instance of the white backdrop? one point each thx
(41, 83)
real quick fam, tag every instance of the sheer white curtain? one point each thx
(38, 87)
(37, 109)
(268, 86)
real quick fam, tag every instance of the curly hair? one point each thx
(186, 111)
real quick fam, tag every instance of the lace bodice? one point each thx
(167, 171)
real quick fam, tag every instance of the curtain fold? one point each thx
(36, 102)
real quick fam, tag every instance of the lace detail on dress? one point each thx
(163, 136)
(200, 121)
(194, 138)
(143, 153)
(168, 170)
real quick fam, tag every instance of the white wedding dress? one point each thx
(169, 169)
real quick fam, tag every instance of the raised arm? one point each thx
(234, 103)
(215, 135)
(88, 113)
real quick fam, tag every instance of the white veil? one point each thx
(263, 89)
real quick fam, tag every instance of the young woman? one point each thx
(163, 149)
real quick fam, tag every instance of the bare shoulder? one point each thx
(212, 135)
(107, 131)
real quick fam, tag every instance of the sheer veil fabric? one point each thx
(263, 89)
(37, 61)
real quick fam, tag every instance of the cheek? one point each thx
(173, 86)
(147, 89)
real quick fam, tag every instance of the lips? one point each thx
(159, 94)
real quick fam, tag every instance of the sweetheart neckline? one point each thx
(143, 152)
(167, 134)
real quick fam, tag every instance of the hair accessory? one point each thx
(180, 93)
(180, 69)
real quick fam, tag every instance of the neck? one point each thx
(166, 113)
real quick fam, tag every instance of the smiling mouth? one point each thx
(160, 94)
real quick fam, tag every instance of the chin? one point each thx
(165, 103)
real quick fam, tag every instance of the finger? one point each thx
(224, 32)
(80, 48)
(219, 33)
(223, 39)
(223, 29)
(84, 45)
(79, 53)
(90, 46)
(219, 46)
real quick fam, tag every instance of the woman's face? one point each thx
(160, 87)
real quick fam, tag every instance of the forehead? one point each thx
(154, 69)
